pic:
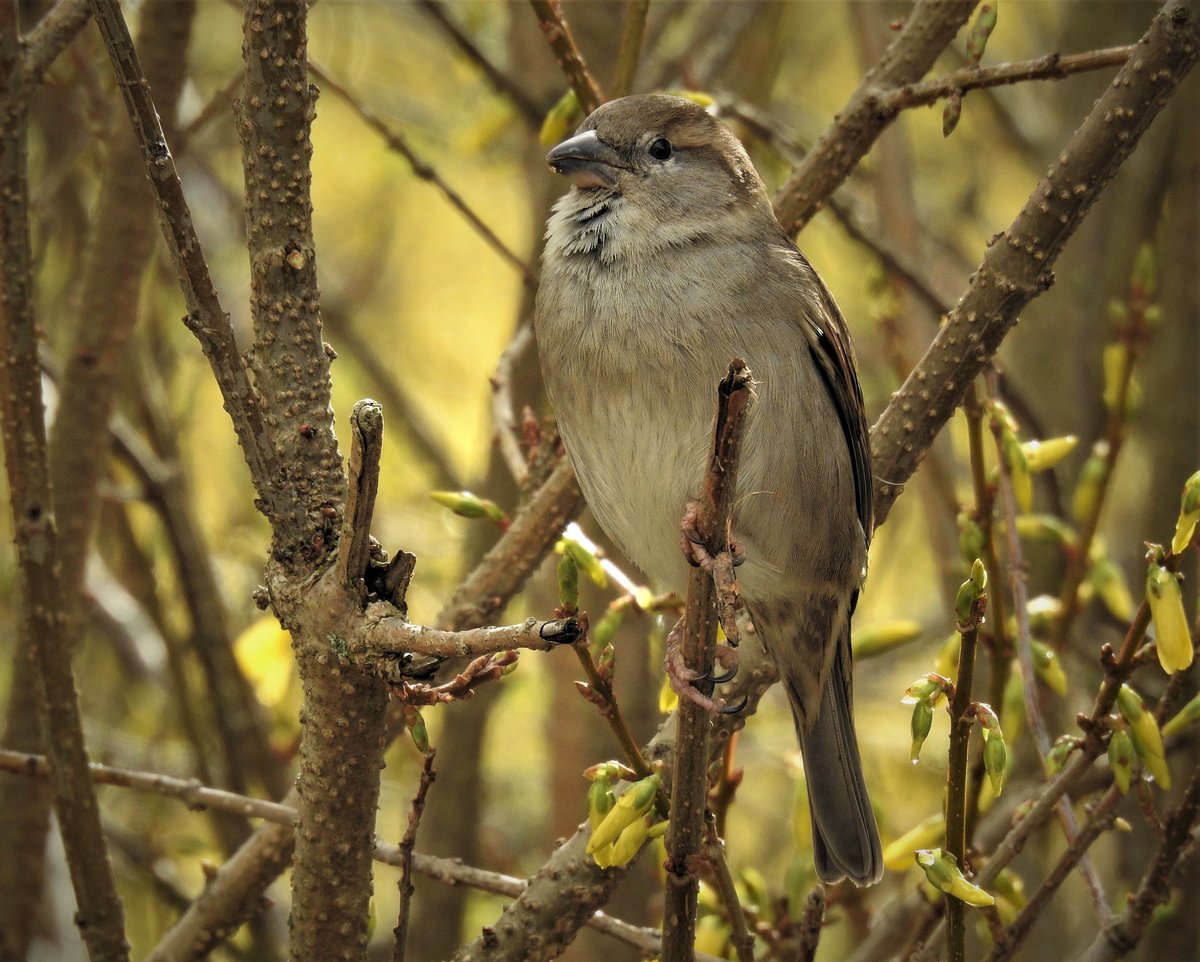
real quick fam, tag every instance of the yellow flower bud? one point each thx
(629, 842)
(1171, 630)
(1049, 667)
(898, 855)
(1108, 579)
(876, 639)
(634, 802)
(1086, 500)
(941, 868)
(1018, 469)
(1120, 759)
(561, 119)
(1188, 714)
(1147, 739)
(922, 722)
(1040, 455)
(1189, 515)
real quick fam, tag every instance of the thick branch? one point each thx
(290, 360)
(1016, 265)
(206, 318)
(929, 28)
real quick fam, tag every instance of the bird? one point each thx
(662, 263)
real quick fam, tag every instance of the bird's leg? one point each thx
(684, 681)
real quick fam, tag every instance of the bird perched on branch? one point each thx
(663, 263)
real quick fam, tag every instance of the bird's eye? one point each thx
(660, 148)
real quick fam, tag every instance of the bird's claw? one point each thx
(726, 658)
(695, 686)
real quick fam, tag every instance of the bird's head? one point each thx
(665, 155)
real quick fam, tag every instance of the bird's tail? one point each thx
(845, 837)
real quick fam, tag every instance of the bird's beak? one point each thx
(586, 161)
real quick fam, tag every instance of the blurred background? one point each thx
(418, 306)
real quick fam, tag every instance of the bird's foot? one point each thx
(695, 686)
(691, 542)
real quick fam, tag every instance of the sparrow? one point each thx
(662, 263)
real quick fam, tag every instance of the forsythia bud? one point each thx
(1040, 455)
(1120, 759)
(995, 758)
(1059, 752)
(1189, 515)
(468, 505)
(922, 722)
(561, 119)
(1048, 667)
(1018, 469)
(1171, 630)
(1147, 739)
(897, 856)
(568, 582)
(977, 38)
(599, 799)
(416, 729)
(968, 606)
(629, 842)
(946, 661)
(634, 802)
(1108, 579)
(941, 868)
(588, 563)
(1086, 500)
(876, 639)
(1187, 714)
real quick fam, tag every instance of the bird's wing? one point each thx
(834, 354)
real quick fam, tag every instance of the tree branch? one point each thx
(1053, 66)
(290, 360)
(928, 29)
(558, 35)
(366, 447)
(1016, 265)
(206, 318)
(689, 788)
(100, 915)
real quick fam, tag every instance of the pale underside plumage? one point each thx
(632, 354)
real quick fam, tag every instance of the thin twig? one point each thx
(714, 851)
(808, 929)
(220, 103)
(629, 54)
(421, 168)
(384, 635)
(1099, 821)
(689, 780)
(406, 846)
(1053, 66)
(50, 37)
(928, 29)
(961, 722)
(1033, 707)
(1122, 935)
(530, 112)
(504, 417)
(558, 35)
(366, 447)
(44, 627)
